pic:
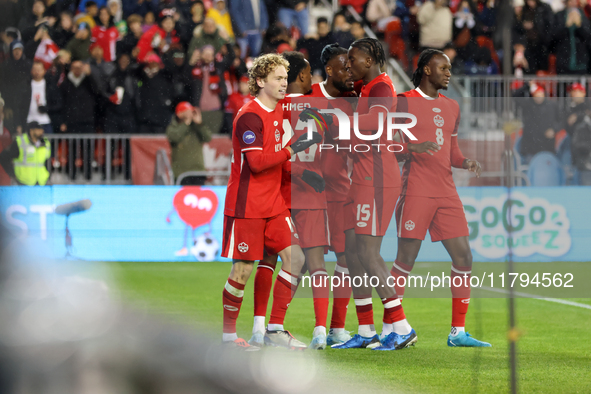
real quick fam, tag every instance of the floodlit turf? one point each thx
(554, 349)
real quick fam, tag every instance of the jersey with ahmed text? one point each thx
(302, 195)
(437, 121)
(249, 194)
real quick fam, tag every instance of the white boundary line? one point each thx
(526, 295)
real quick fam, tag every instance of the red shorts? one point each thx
(247, 239)
(369, 209)
(336, 225)
(311, 227)
(444, 217)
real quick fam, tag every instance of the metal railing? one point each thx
(163, 174)
(219, 176)
(89, 158)
(490, 98)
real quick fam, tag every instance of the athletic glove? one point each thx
(323, 120)
(314, 180)
(304, 143)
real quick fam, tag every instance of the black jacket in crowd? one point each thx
(154, 99)
(571, 44)
(79, 101)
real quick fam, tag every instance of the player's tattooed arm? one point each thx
(473, 166)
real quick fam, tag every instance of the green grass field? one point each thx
(554, 350)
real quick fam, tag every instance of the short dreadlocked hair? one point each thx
(297, 64)
(262, 67)
(373, 48)
(424, 59)
(331, 51)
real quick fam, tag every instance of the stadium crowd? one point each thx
(123, 66)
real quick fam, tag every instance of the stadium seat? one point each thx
(564, 154)
(552, 64)
(519, 163)
(396, 45)
(546, 170)
(415, 61)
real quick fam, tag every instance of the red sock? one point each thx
(393, 309)
(281, 296)
(232, 300)
(460, 293)
(400, 270)
(320, 292)
(263, 282)
(341, 296)
(364, 309)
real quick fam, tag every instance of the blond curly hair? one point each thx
(262, 67)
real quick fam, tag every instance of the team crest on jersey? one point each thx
(248, 137)
(275, 123)
(437, 110)
(409, 225)
(277, 135)
(242, 247)
(438, 121)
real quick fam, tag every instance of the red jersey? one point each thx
(377, 168)
(333, 162)
(252, 193)
(236, 101)
(107, 39)
(303, 196)
(437, 120)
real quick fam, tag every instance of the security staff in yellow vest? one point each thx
(25, 159)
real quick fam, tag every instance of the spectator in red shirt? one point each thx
(159, 38)
(106, 35)
(237, 99)
(208, 86)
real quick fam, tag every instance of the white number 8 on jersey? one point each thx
(439, 135)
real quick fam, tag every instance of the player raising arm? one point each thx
(429, 199)
(255, 215)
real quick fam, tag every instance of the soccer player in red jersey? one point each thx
(255, 215)
(308, 206)
(338, 92)
(429, 199)
(372, 198)
(299, 80)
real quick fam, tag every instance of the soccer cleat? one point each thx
(463, 339)
(395, 341)
(241, 344)
(257, 339)
(359, 342)
(283, 339)
(318, 342)
(337, 338)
